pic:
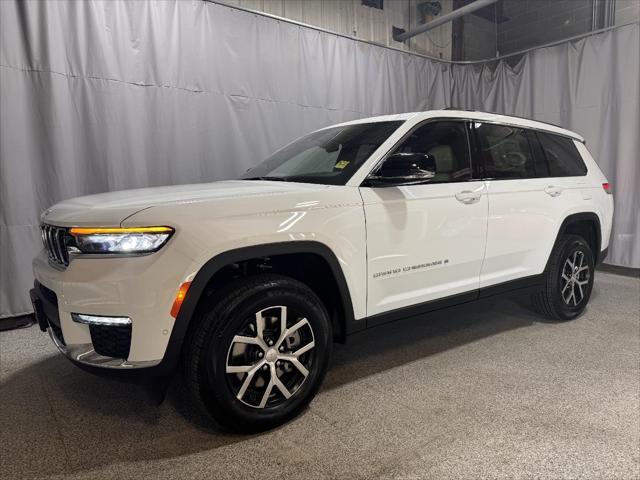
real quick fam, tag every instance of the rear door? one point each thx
(525, 205)
(426, 242)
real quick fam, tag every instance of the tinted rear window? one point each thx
(561, 155)
(504, 150)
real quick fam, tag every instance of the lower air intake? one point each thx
(111, 341)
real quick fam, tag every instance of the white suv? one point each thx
(246, 283)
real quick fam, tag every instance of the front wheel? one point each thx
(568, 280)
(257, 357)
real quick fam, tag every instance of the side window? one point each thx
(447, 143)
(542, 167)
(504, 150)
(563, 158)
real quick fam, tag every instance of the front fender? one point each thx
(201, 278)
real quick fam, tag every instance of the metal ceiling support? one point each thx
(400, 35)
(610, 13)
(603, 14)
(442, 61)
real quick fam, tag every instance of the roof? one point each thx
(471, 115)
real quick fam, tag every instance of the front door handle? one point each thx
(468, 197)
(552, 190)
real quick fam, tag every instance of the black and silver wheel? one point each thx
(574, 279)
(270, 359)
(568, 280)
(258, 356)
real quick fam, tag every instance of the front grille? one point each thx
(54, 239)
(111, 341)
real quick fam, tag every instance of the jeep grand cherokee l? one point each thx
(245, 284)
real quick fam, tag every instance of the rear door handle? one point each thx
(552, 190)
(468, 197)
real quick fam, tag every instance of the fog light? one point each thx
(100, 320)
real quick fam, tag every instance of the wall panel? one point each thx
(98, 96)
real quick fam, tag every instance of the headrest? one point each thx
(444, 158)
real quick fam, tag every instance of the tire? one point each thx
(568, 280)
(225, 341)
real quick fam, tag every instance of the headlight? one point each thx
(135, 240)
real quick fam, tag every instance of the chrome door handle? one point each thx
(552, 190)
(468, 197)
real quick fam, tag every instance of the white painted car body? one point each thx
(505, 231)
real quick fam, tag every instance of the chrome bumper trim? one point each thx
(85, 354)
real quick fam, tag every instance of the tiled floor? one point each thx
(485, 390)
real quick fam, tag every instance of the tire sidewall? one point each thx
(215, 388)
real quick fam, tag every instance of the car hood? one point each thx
(112, 208)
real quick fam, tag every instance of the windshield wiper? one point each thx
(275, 179)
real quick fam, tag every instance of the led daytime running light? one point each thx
(100, 320)
(119, 240)
(118, 230)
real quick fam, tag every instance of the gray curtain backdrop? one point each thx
(99, 96)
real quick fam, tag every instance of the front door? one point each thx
(426, 241)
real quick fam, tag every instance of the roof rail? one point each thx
(506, 115)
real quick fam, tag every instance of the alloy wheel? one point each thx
(271, 357)
(574, 279)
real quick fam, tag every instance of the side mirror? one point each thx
(404, 169)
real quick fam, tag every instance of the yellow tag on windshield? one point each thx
(341, 164)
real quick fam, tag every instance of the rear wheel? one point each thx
(257, 357)
(568, 280)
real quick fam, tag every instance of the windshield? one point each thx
(330, 156)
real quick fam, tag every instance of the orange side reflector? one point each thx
(177, 303)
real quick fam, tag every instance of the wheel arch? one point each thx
(585, 224)
(216, 265)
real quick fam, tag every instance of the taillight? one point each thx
(607, 188)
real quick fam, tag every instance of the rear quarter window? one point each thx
(561, 156)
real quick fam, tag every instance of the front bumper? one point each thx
(140, 288)
(45, 307)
